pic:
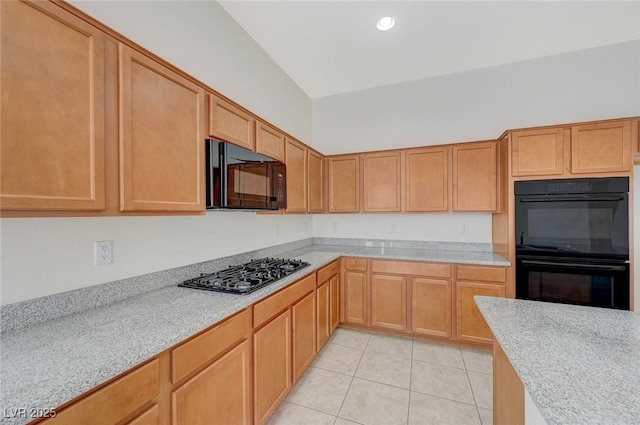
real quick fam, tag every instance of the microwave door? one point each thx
(247, 185)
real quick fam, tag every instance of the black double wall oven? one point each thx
(572, 241)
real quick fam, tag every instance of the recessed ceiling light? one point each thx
(386, 23)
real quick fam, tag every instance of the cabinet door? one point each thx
(230, 123)
(334, 303)
(272, 365)
(269, 141)
(381, 181)
(52, 101)
(220, 394)
(470, 325)
(601, 148)
(161, 137)
(304, 334)
(296, 158)
(427, 176)
(314, 182)
(355, 297)
(475, 177)
(324, 314)
(344, 184)
(389, 302)
(537, 152)
(150, 417)
(431, 307)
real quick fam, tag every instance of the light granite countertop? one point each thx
(47, 364)
(581, 365)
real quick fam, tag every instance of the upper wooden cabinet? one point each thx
(537, 152)
(601, 148)
(427, 179)
(314, 182)
(475, 177)
(52, 149)
(344, 183)
(230, 123)
(635, 139)
(161, 137)
(296, 160)
(381, 181)
(269, 141)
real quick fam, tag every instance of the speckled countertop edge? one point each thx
(43, 367)
(579, 364)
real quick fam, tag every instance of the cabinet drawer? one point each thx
(355, 264)
(111, 404)
(191, 355)
(325, 273)
(482, 273)
(283, 299)
(409, 268)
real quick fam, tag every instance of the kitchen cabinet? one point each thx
(328, 301)
(231, 123)
(508, 390)
(431, 306)
(296, 160)
(162, 132)
(344, 183)
(150, 416)
(272, 365)
(283, 345)
(116, 401)
(537, 152)
(601, 148)
(269, 141)
(635, 138)
(471, 281)
(304, 334)
(389, 302)
(52, 150)
(475, 177)
(381, 178)
(219, 394)
(314, 182)
(354, 292)
(427, 179)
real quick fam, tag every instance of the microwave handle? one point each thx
(594, 267)
(570, 198)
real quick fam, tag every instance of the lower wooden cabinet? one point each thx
(334, 303)
(431, 306)
(220, 394)
(470, 325)
(271, 365)
(355, 297)
(304, 334)
(389, 302)
(324, 306)
(150, 416)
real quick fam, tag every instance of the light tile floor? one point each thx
(371, 379)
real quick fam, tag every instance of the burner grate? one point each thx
(246, 278)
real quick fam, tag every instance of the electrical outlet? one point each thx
(276, 230)
(393, 228)
(103, 252)
(465, 228)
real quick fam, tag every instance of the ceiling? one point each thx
(333, 47)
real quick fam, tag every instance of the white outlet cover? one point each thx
(103, 252)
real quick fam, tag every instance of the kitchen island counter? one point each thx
(578, 364)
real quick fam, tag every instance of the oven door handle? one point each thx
(594, 267)
(571, 198)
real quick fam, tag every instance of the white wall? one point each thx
(427, 227)
(580, 86)
(201, 38)
(44, 256)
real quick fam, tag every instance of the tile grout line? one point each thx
(352, 378)
(471, 386)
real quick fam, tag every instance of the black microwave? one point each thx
(238, 178)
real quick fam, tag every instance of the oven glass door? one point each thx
(573, 281)
(594, 224)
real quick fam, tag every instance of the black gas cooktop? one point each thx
(246, 278)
